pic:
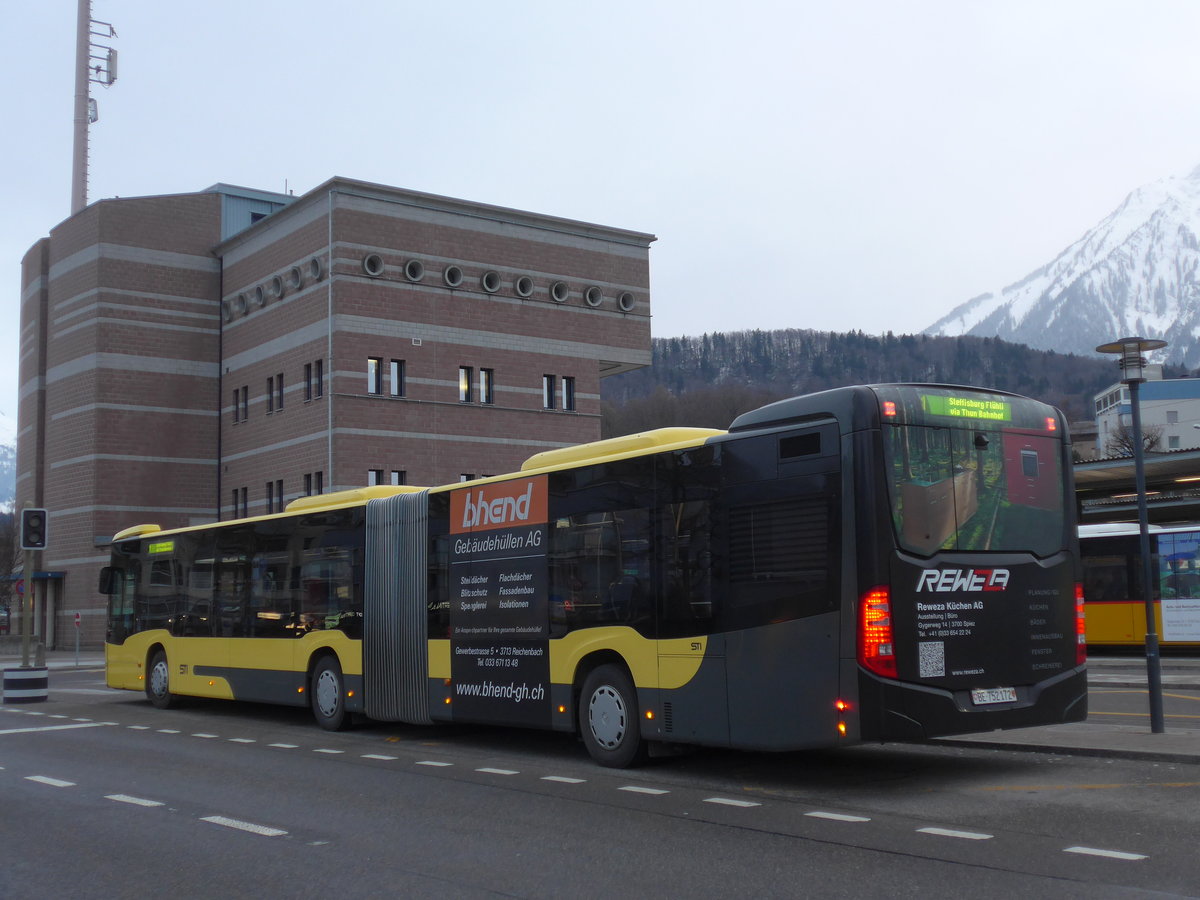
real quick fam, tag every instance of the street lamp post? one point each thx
(1132, 365)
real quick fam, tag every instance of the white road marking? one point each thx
(837, 817)
(53, 782)
(139, 727)
(284, 746)
(498, 771)
(136, 801)
(378, 756)
(168, 731)
(242, 741)
(325, 750)
(243, 826)
(433, 762)
(638, 789)
(202, 734)
(726, 801)
(1111, 854)
(563, 779)
(965, 835)
(51, 728)
(57, 717)
(81, 720)
(34, 712)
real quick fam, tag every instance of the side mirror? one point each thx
(108, 581)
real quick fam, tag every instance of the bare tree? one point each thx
(1120, 442)
(11, 560)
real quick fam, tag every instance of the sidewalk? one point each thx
(1177, 745)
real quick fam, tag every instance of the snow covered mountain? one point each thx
(1136, 273)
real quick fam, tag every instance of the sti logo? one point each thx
(944, 581)
(501, 505)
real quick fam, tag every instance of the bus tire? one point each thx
(328, 694)
(158, 682)
(608, 718)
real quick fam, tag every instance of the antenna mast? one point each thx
(94, 64)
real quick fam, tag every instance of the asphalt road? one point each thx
(103, 796)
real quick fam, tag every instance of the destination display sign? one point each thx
(989, 409)
(499, 616)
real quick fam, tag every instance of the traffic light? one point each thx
(33, 529)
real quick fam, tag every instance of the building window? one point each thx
(308, 484)
(320, 482)
(1172, 417)
(319, 378)
(399, 477)
(548, 391)
(464, 384)
(487, 385)
(374, 375)
(236, 406)
(396, 378)
(245, 402)
(279, 391)
(314, 483)
(374, 477)
(241, 503)
(568, 392)
(275, 496)
(270, 393)
(308, 391)
(1173, 442)
(466, 476)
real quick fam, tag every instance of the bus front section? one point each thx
(970, 618)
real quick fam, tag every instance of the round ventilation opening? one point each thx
(490, 282)
(453, 276)
(260, 297)
(625, 301)
(523, 286)
(227, 310)
(559, 292)
(276, 288)
(414, 270)
(242, 304)
(373, 264)
(593, 296)
(315, 269)
(295, 278)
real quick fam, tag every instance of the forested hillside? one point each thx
(706, 381)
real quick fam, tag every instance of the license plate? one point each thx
(984, 696)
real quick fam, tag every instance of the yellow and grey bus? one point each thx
(886, 562)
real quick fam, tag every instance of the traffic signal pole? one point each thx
(27, 609)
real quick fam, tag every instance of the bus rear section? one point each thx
(972, 618)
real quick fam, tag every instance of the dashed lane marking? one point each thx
(1110, 854)
(837, 817)
(379, 756)
(563, 779)
(489, 771)
(965, 835)
(327, 750)
(253, 828)
(242, 741)
(204, 734)
(46, 779)
(168, 731)
(285, 746)
(52, 728)
(433, 762)
(135, 801)
(638, 789)
(728, 801)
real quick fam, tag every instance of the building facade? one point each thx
(1168, 406)
(214, 355)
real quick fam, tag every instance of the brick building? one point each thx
(218, 354)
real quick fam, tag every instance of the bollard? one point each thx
(28, 684)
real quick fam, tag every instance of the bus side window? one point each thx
(121, 584)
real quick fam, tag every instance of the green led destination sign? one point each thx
(967, 407)
(162, 547)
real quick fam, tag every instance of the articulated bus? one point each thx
(1114, 603)
(871, 563)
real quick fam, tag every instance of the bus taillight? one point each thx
(876, 650)
(1080, 627)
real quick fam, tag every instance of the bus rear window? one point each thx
(975, 488)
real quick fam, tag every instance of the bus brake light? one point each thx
(1080, 627)
(1051, 423)
(876, 650)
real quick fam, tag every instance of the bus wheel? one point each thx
(328, 697)
(608, 718)
(158, 682)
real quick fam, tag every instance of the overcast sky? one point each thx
(812, 165)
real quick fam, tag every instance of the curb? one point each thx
(1097, 752)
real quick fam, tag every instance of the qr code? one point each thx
(933, 659)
